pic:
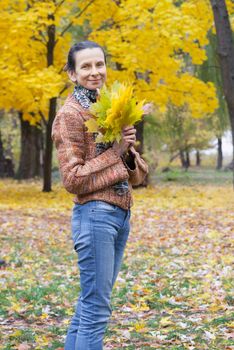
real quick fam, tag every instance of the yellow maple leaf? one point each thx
(16, 334)
(44, 316)
(165, 321)
(15, 307)
(140, 327)
(92, 125)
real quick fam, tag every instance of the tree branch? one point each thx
(76, 16)
(174, 90)
(43, 118)
(58, 5)
(43, 37)
(64, 89)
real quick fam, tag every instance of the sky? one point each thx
(227, 146)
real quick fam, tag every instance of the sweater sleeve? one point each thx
(80, 176)
(136, 166)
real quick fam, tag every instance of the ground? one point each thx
(174, 290)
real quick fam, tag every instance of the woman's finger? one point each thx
(128, 127)
(131, 136)
(131, 144)
(130, 139)
(129, 131)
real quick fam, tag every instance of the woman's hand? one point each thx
(128, 139)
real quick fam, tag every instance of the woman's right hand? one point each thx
(127, 140)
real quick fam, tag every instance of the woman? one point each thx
(101, 176)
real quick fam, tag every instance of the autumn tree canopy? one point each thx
(148, 44)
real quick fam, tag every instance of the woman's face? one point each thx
(90, 69)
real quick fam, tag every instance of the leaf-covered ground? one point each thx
(174, 290)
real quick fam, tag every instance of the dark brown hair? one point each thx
(87, 44)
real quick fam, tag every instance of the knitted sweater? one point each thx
(84, 174)
(85, 98)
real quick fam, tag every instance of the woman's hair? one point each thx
(87, 44)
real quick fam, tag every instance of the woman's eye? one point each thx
(100, 64)
(86, 66)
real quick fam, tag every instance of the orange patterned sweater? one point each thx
(83, 173)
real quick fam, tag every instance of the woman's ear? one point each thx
(71, 75)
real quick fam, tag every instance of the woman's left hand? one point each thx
(129, 133)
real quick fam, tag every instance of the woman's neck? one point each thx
(84, 96)
(92, 94)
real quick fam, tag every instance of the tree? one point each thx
(181, 133)
(210, 71)
(225, 47)
(148, 40)
(31, 76)
(30, 163)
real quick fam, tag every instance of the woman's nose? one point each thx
(94, 70)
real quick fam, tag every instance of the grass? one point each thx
(175, 287)
(193, 176)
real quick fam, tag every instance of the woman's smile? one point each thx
(90, 68)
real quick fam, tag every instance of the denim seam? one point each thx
(76, 236)
(94, 257)
(126, 219)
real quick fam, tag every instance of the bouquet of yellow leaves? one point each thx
(114, 109)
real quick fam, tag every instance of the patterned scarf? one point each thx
(86, 97)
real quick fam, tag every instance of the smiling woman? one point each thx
(87, 65)
(101, 176)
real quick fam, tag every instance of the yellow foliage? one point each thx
(114, 110)
(26, 78)
(146, 41)
(165, 321)
(172, 266)
(16, 334)
(140, 327)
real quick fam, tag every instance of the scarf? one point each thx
(86, 97)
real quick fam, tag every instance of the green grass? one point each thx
(193, 176)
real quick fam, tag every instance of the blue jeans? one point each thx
(100, 232)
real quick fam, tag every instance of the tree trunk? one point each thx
(51, 115)
(198, 158)
(2, 158)
(182, 159)
(220, 154)
(49, 147)
(31, 148)
(188, 163)
(6, 163)
(140, 147)
(1, 154)
(226, 56)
